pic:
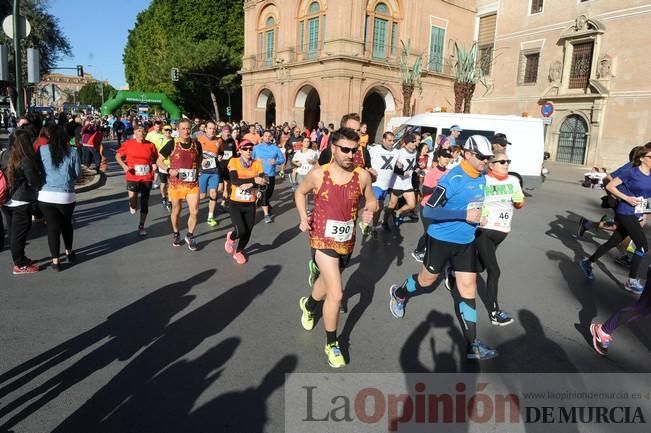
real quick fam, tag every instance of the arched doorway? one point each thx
(267, 102)
(373, 115)
(572, 140)
(308, 99)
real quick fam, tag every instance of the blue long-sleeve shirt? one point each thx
(267, 153)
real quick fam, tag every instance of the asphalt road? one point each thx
(141, 337)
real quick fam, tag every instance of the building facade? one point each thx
(315, 60)
(586, 57)
(56, 89)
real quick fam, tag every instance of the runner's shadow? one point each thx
(179, 338)
(127, 330)
(278, 241)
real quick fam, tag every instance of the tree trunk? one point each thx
(407, 92)
(214, 105)
(470, 90)
(458, 96)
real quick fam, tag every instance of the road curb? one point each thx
(98, 180)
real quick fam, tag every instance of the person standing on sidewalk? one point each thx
(23, 169)
(57, 199)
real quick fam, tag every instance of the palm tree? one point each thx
(467, 74)
(410, 76)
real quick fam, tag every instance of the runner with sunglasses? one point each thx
(502, 195)
(246, 176)
(455, 207)
(339, 187)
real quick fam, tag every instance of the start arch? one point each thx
(128, 97)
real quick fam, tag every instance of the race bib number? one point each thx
(228, 154)
(142, 169)
(340, 231)
(500, 219)
(304, 169)
(643, 206)
(209, 163)
(243, 194)
(188, 174)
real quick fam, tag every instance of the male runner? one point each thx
(402, 183)
(339, 187)
(184, 155)
(156, 136)
(455, 206)
(163, 176)
(139, 155)
(228, 151)
(272, 158)
(209, 177)
(383, 161)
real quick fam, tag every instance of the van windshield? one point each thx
(469, 132)
(420, 130)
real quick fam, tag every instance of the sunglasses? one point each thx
(167, 130)
(481, 157)
(246, 149)
(502, 161)
(347, 150)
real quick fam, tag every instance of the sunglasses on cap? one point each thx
(502, 161)
(347, 150)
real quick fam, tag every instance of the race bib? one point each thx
(228, 154)
(188, 174)
(304, 169)
(643, 206)
(142, 169)
(500, 219)
(340, 231)
(243, 194)
(209, 163)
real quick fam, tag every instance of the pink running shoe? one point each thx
(229, 245)
(240, 258)
(600, 340)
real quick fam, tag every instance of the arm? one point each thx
(370, 202)
(280, 158)
(295, 161)
(308, 185)
(235, 179)
(164, 153)
(612, 188)
(32, 174)
(118, 158)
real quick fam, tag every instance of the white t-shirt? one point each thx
(383, 161)
(301, 158)
(409, 163)
(499, 196)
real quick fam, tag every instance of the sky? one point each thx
(97, 31)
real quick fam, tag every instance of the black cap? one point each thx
(500, 139)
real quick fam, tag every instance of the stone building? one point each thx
(315, 60)
(586, 57)
(56, 89)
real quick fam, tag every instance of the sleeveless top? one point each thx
(358, 158)
(184, 159)
(335, 213)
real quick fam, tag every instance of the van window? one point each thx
(468, 132)
(404, 129)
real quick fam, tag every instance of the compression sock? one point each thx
(409, 286)
(311, 304)
(331, 336)
(467, 315)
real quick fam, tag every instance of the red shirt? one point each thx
(139, 158)
(40, 141)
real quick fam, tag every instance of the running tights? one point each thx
(486, 242)
(637, 310)
(266, 195)
(627, 225)
(59, 224)
(243, 219)
(422, 242)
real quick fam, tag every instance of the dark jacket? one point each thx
(27, 180)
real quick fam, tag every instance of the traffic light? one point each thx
(80, 71)
(175, 74)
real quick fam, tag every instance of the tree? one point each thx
(467, 74)
(197, 37)
(91, 93)
(46, 35)
(410, 77)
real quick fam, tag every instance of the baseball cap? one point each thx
(456, 128)
(478, 144)
(226, 129)
(246, 143)
(167, 128)
(500, 139)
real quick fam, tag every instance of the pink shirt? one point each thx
(431, 180)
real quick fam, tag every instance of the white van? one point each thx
(525, 133)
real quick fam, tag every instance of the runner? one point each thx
(402, 182)
(272, 158)
(602, 334)
(156, 136)
(228, 150)
(339, 186)
(184, 155)
(136, 156)
(632, 186)
(245, 175)
(209, 178)
(304, 160)
(442, 157)
(503, 194)
(455, 206)
(163, 176)
(383, 160)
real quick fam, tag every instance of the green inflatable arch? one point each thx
(127, 97)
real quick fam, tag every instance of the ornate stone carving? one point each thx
(555, 70)
(605, 69)
(581, 23)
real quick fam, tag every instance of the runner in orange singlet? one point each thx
(338, 187)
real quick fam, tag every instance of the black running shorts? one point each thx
(462, 257)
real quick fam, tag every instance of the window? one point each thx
(269, 47)
(436, 45)
(581, 65)
(536, 6)
(311, 28)
(528, 70)
(486, 42)
(382, 30)
(267, 33)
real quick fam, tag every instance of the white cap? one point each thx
(479, 144)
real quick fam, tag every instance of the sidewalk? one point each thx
(563, 172)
